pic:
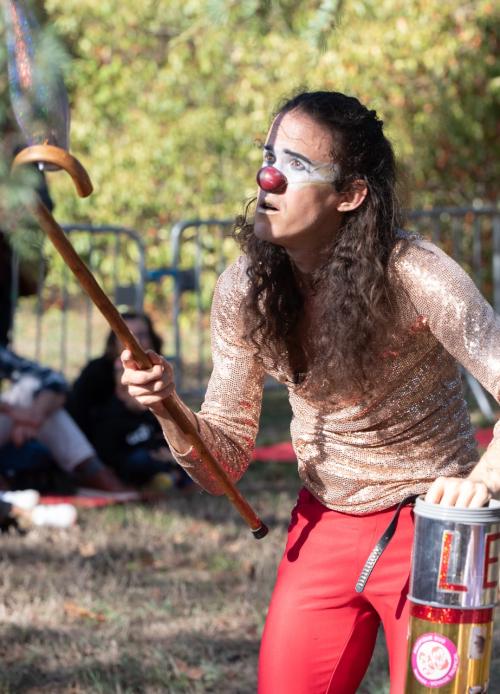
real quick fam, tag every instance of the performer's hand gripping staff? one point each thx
(40, 104)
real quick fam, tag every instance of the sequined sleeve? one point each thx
(455, 310)
(229, 417)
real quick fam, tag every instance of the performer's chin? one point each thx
(263, 229)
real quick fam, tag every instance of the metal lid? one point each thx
(486, 514)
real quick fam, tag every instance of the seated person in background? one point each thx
(31, 264)
(96, 383)
(128, 438)
(125, 434)
(35, 429)
(5, 288)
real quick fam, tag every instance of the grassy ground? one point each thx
(165, 598)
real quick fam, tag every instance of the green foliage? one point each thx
(17, 187)
(169, 99)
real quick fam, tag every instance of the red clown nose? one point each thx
(271, 179)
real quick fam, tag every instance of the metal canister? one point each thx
(453, 593)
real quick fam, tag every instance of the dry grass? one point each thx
(170, 598)
(136, 599)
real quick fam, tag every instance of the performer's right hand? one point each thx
(148, 386)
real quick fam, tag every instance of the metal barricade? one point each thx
(60, 326)
(200, 250)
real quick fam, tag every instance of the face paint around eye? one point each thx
(295, 170)
(268, 158)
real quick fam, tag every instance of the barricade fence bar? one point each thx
(59, 325)
(206, 247)
(200, 249)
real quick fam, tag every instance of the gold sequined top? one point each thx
(412, 427)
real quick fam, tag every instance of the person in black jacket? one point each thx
(126, 436)
(96, 383)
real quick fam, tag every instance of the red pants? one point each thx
(320, 634)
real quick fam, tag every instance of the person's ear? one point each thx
(354, 196)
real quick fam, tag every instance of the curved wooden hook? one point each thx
(48, 154)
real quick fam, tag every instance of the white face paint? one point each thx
(297, 168)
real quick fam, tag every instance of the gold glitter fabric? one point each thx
(412, 426)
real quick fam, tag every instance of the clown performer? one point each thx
(365, 324)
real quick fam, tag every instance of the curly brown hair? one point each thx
(359, 307)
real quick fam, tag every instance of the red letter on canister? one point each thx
(444, 564)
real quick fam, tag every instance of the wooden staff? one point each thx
(48, 154)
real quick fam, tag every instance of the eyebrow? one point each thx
(270, 148)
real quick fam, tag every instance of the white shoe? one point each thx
(25, 499)
(54, 515)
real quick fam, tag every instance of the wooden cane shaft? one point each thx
(118, 325)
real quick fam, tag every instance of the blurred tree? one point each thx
(17, 188)
(169, 99)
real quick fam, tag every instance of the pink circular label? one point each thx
(434, 660)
